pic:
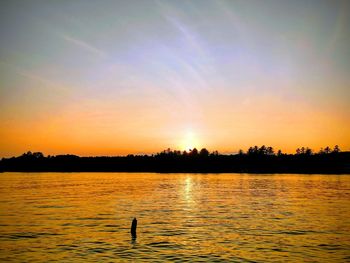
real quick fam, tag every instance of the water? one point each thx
(86, 217)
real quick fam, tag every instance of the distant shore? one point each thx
(174, 162)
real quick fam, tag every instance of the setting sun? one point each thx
(190, 141)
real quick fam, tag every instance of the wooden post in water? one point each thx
(133, 228)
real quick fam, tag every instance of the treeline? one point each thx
(255, 159)
(268, 150)
(253, 150)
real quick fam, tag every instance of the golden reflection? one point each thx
(188, 188)
(87, 216)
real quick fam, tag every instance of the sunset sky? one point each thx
(118, 77)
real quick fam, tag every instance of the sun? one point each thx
(189, 141)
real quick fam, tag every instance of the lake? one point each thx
(86, 217)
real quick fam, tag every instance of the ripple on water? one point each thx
(165, 244)
(53, 206)
(296, 232)
(182, 218)
(330, 247)
(26, 235)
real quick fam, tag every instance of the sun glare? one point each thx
(189, 141)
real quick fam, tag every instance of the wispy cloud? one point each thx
(84, 45)
(44, 81)
(34, 76)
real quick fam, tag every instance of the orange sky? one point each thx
(112, 79)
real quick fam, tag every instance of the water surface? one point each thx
(181, 217)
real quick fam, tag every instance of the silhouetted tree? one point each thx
(38, 155)
(336, 149)
(279, 153)
(168, 151)
(194, 152)
(308, 151)
(270, 151)
(204, 152)
(27, 154)
(250, 151)
(262, 150)
(240, 152)
(327, 150)
(214, 153)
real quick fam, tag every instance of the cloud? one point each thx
(84, 45)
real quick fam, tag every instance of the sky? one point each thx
(117, 77)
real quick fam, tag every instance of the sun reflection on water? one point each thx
(188, 188)
(181, 217)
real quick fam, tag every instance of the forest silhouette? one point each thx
(256, 159)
